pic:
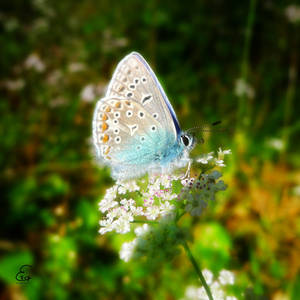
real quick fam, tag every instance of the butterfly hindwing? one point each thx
(125, 134)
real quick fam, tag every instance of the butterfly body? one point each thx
(135, 129)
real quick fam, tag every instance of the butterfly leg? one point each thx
(188, 170)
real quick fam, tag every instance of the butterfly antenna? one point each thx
(204, 127)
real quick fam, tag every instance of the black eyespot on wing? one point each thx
(185, 140)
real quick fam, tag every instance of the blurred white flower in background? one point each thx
(34, 62)
(13, 84)
(243, 88)
(276, 144)
(88, 93)
(217, 287)
(296, 190)
(292, 12)
(92, 91)
(74, 67)
(54, 77)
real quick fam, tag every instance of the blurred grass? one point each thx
(56, 59)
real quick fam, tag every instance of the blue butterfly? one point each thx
(135, 129)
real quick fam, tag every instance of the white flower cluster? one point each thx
(156, 198)
(217, 161)
(217, 287)
(160, 200)
(120, 208)
(158, 243)
(197, 193)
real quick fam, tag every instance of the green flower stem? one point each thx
(144, 221)
(197, 269)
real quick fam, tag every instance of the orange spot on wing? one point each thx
(108, 109)
(118, 104)
(105, 138)
(104, 117)
(104, 126)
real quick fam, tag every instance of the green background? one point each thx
(56, 58)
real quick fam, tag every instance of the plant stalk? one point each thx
(197, 269)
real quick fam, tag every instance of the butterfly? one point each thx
(135, 128)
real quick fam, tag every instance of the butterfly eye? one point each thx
(185, 140)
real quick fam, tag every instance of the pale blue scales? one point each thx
(135, 129)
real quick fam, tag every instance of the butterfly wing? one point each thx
(134, 79)
(127, 137)
(135, 126)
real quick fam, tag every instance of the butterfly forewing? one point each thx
(134, 79)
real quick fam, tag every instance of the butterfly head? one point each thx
(187, 140)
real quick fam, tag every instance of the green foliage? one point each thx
(213, 245)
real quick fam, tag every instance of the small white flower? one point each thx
(152, 212)
(108, 201)
(219, 162)
(106, 226)
(106, 204)
(123, 222)
(131, 186)
(127, 250)
(191, 292)
(201, 294)
(276, 144)
(34, 62)
(226, 277)
(208, 275)
(243, 88)
(205, 158)
(88, 93)
(166, 181)
(141, 230)
(137, 211)
(166, 208)
(292, 12)
(217, 291)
